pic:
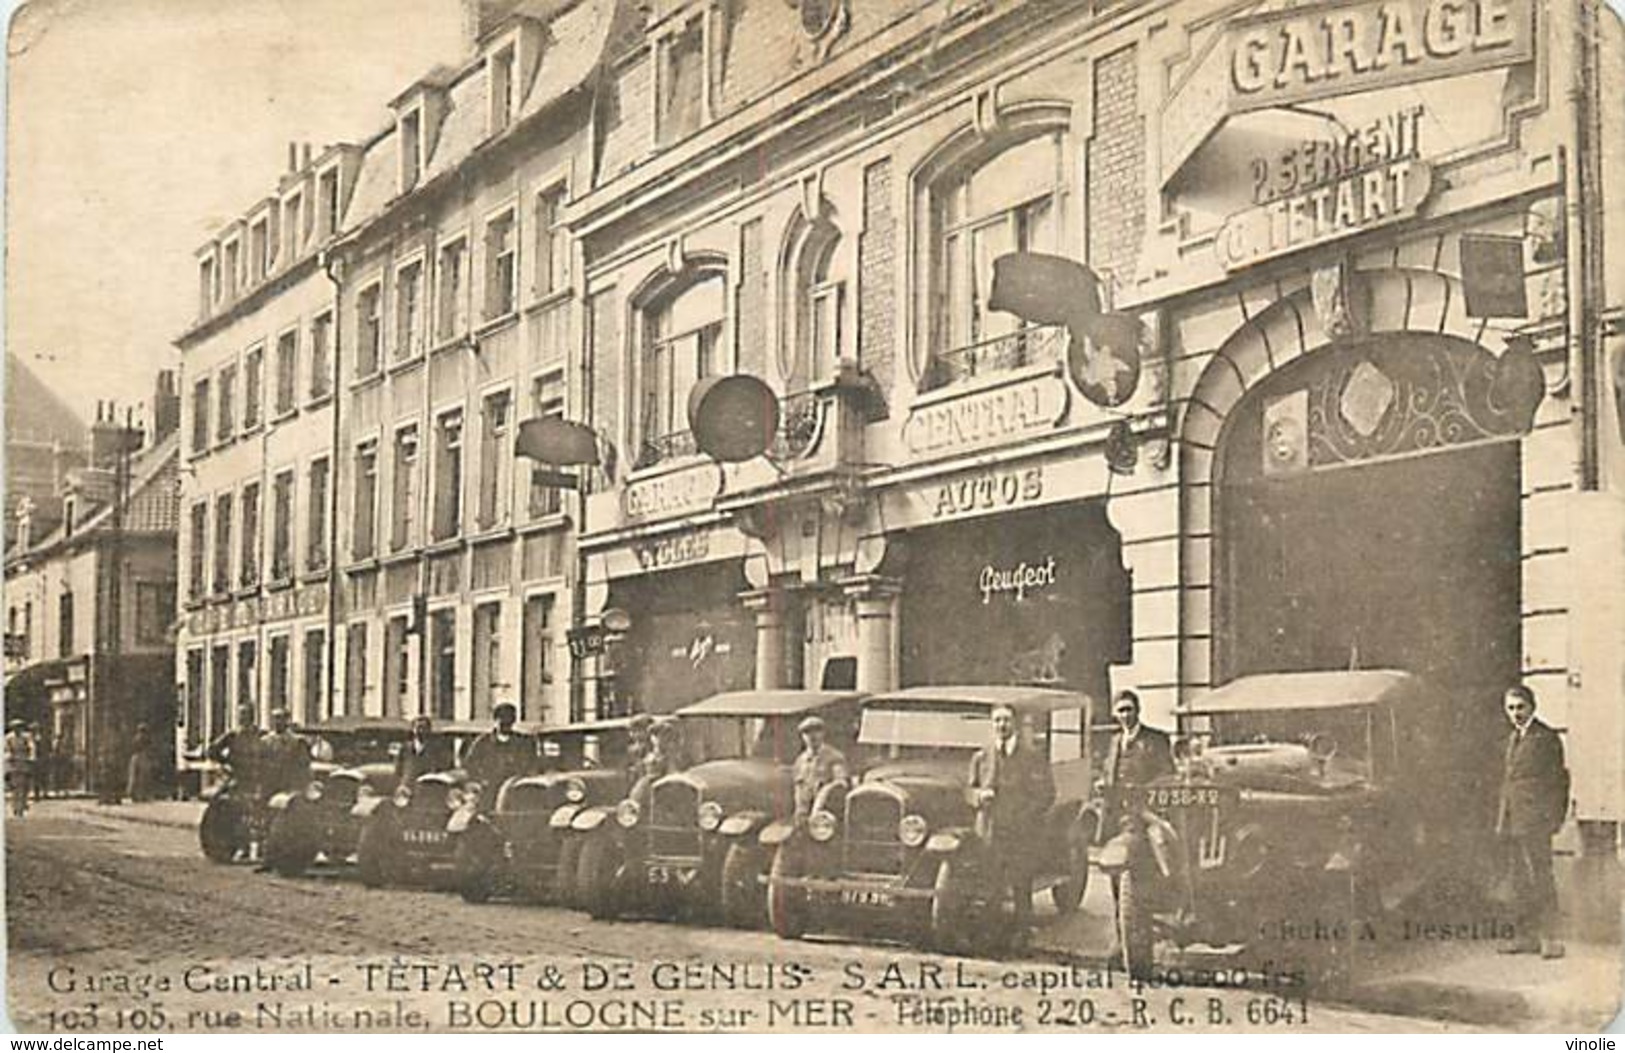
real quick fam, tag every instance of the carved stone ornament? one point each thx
(1332, 292)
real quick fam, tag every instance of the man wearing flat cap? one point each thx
(1011, 788)
(819, 765)
(499, 754)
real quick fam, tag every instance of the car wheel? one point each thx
(475, 868)
(787, 907)
(219, 832)
(953, 921)
(565, 892)
(743, 904)
(1069, 892)
(598, 877)
(375, 853)
(1134, 933)
(287, 850)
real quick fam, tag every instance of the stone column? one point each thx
(876, 599)
(769, 607)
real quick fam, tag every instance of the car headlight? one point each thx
(821, 826)
(403, 796)
(313, 792)
(710, 816)
(912, 830)
(575, 791)
(455, 799)
(626, 813)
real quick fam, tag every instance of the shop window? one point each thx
(200, 416)
(282, 528)
(443, 641)
(362, 528)
(314, 679)
(253, 387)
(547, 400)
(279, 671)
(448, 475)
(196, 692)
(403, 498)
(321, 365)
(450, 319)
(1005, 203)
(226, 410)
(397, 664)
(501, 265)
(537, 656)
(355, 667)
(408, 310)
(495, 426)
(316, 499)
(248, 562)
(248, 680)
(222, 544)
(369, 330)
(197, 549)
(220, 713)
(487, 655)
(682, 338)
(287, 370)
(811, 333)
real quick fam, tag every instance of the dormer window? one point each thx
(259, 251)
(503, 67)
(327, 197)
(411, 134)
(682, 98)
(232, 268)
(293, 222)
(208, 285)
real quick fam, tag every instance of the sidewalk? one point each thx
(177, 814)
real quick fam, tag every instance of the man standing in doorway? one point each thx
(1534, 801)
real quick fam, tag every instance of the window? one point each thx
(355, 666)
(200, 416)
(397, 665)
(206, 286)
(226, 418)
(282, 528)
(197, 551)
(404, 500)
(366, 501)
(487, 655)
(552, 243)
(500, 266)
(536, 653)
(1006, 204)
(253, 385)
(287, 370)
(293, 223)
(494, 444)
(196, 689)
(411, 149)
(315, 675)
(233, 269)
(448, 475)
(682, 335)
(64, 625)
(501, 81)
(280, 661)
(321, 367)
(369, 328)
(682, 104)
(811, 335)
(443, 641)
(222, 544)
(219, 689)
(449, 301)
(249, 562)
(248, 681)
(259, 252)
(154, 612)
(327, 193)
(409, 310)
(316, 494)
(546, 400)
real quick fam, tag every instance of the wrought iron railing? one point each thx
(654, 449)
(1024, 347)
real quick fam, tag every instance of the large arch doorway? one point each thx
(1368, 516)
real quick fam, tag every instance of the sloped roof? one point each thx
(37, 413)
(154, 505)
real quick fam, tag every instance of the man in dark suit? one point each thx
(499, 754)
(1012, 788)
(1534, 801)
(422, 753)
(1139, 753)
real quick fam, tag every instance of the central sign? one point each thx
(985, 417)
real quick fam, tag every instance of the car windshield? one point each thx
(1347, 728)
(915, 730)
(728, 738)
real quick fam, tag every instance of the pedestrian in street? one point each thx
(20, 758)
(818, 766)
(499, 754)
(238, 752)
(284, 756)
(422, 752)
(138, 786)
(44, 764)
(1011, 788)
(1533, 803)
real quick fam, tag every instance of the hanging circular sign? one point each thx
(733, 418)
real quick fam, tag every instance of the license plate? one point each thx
(663, 874)
(1176, 798)
(866, 897)
(423, 837)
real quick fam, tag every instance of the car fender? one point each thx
(947, 842)
(281, 802)
(366, 805)
(742, 824)
(462, 819)
(563, 817)
(775, 834)
(590, 819)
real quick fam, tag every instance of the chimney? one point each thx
(304, 156)
(293, 157)
(166, 406)
(480, 15)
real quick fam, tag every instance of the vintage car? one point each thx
(1317, 798)
(521, 848)
(406, 837)
(904, 850)
(687, 846)
(320, 824)
(236, 816)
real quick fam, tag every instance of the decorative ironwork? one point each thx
(1025, 347)
(800, 423)
(653, 450)
(1414, 396)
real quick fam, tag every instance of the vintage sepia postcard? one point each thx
(909, 516)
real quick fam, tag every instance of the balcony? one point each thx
(1024, 347)
(654, 450)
